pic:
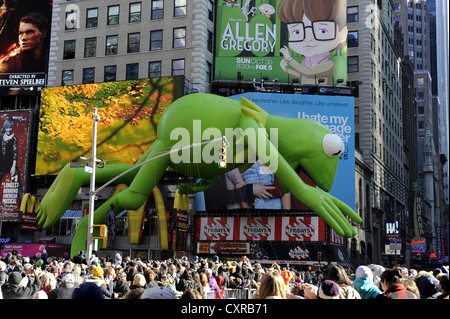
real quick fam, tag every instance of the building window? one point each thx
(208, 72)
(156, 40)
(90, 47)
(112, 44)
(210, 41)
(113, 15)
(352, 39)
(421, 110)
(88, 75)
(420, 95)
(421, 125)
(154, 69)
(71, 20)
(179, 38)
(67, 77)
(352, 14)
(210, 10)
(135, 12)
(132, 71)
(178, 67)
(157, 9)
(134, 42)
(110, 73)
(179, 8)
(69, 50)
(352, 64)
(92, 18)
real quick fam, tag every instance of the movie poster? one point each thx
(13, 154)
(282, 39)
(24, 46)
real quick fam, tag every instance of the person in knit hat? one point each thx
(160, 292)
(13, 290)
(428, 287)
(65, 290)
(328, 290)
(88, 290)
(97, 278)
(287, 276)
(364, 283)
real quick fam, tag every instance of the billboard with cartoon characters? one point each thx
(282, 39)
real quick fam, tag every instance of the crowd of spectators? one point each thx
(47, 277)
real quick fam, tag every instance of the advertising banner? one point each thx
(30, 250)
(225, 248)
(129, 115)
(334, 112)
(282, 39)
(440, 243)
(13, 161)
(418, 247)
(240, 228)
(24, 46)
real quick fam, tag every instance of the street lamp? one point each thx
(92, 196)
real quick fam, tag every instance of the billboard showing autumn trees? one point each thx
(129, 111)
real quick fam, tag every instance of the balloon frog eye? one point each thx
(333, 145)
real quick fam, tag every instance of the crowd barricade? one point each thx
(239, 293)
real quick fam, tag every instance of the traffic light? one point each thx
(103, 231)
(223, 157)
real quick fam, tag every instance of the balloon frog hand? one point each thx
(332, 210)
(60, 195)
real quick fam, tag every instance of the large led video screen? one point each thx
(281, 39)
(129, 112)
(233, 191)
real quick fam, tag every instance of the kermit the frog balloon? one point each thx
(301, 142)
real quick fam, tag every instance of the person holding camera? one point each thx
(13, 290)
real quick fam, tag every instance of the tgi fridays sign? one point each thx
(237, 228)
(299, 253)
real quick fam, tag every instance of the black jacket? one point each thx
(120, 287)
(62, 292)
(13, 291)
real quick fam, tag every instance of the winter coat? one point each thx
(120, 287)
(107, 289)
(185, 284)
(13, 291)
(366, 288)
(348, 292)
(428, 287)
(213, 283)
(397, 291)
(62, 292)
